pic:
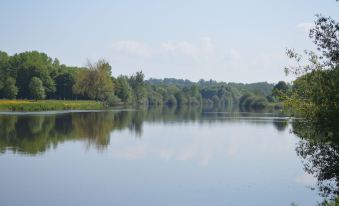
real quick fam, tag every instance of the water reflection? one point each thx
(36, 133)
(319, 150)
(280, 125)
(200, 156)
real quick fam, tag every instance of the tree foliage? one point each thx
(9, 89)
(325, 36)
(281, 90)
(137, 84)
(315, 93)
(26, 65)
(36, 88)
(95, 81)
(123, 89)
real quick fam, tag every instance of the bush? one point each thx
(111, 100)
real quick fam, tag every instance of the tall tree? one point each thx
(26, 65)
(36, 88)
(138, 85)
(95, 81)
(4, 58)
(123, 89)
(9, 89)
(64, 82)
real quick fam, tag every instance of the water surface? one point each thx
(157, 156)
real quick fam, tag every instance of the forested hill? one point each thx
(263, 88)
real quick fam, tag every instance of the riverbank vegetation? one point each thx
(315, 92)
(35, 76)
(314, 96)
(44, 105)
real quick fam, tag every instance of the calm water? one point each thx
(163, 156)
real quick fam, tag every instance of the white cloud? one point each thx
(132, 47)
(202, 58)
(195, 50)
(228, 144)
(180, 47)
(204, 47)
(131, 152)
(305, 26)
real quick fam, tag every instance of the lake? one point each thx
(156, 156)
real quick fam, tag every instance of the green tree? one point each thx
(95, 81)
(280, 90)
(36, 88)
(138, 85)
(195, 95)
(315, 93)
(123, 89)
(325, 36)
(9, 89)
(64, 83)
(26, 65)
(4, 58)
(154, 97)
(181, 98)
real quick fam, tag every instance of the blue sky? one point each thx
(239, 41)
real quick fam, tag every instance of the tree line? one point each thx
(35, 75)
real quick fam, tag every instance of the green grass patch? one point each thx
(45, 105)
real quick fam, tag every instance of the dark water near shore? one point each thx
(158, 156)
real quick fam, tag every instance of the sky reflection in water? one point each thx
(162, 156)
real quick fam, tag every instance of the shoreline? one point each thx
(48, 105)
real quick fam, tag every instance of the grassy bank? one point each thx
(43, 105)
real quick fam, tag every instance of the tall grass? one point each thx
(44, 105)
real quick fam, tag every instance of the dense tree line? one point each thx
(216, 93)
(34, 75)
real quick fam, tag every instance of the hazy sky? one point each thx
(226, 40)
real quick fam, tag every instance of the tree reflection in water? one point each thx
(33, 134)
(319, 150)
(36, 133)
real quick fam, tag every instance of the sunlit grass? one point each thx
(43, 105)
